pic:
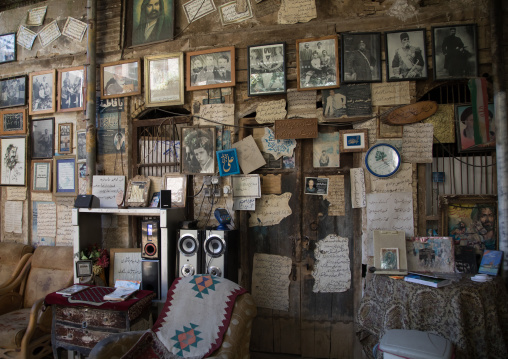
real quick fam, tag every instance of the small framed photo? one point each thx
(164, 80)
(212, 68)
(198, 150)
(81, 147)
(13, 161)
(43, 131)
(7, 48)
(361, 57)
(137, 192)
(84, 269)
(41, 95)
(71, 89)
(65, 138)
(471, 136)
(267, 69)
(454, 50)
(389, 258)
(13, 92)
(353, 140)
(65, 176)
(41, 175)
(13, 122)
(316, 185)
(120, 79)
(177, 184)
(317, 63)
(154, 202)
(406, 55)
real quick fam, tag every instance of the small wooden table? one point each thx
(82, 320)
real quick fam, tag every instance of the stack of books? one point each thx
(428, 280)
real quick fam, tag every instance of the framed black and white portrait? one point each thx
(406, 55)
(13, 122)
(207, 69)
(361, 57)
(43, 134)
(13, 161)
(71, 94)
(42, 92)
(13, 92)
(120, 79)
(454, 50)
(198, 150)
(267, 69)
(7, 48)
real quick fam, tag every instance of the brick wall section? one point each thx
(109, 20)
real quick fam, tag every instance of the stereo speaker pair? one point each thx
(208, 252)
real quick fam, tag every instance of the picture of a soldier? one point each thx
(360, 64)
(455, 54)
(408, 60)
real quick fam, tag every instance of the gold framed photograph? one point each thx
(65, 138)
(71, 89)
(121, 79)
(207, 69)
(177, 184)
(65, 176)
(164, 80)
(13, 122)
(137, 192)
(41, 93)
(41, 175)
(353, 140)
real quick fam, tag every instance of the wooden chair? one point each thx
(25, 325)
(13, 258)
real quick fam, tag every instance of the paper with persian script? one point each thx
(358, 196)
(64, 231)
(221, 114)
(271, 210)
(74, 29)
(391, 93)
(294, 11)
(277, 148)
(417, 142)
(336, 196)
(16, 193)
(332, 271)
(270, 281)
(25, 37)
(229, 14)
(196, 9)
(301, 104)
(14, 224)
(269, 111)
(49, 33)
(46, 220)
(401, 181)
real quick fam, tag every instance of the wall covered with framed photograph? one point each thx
(71, 89)
(475, 133)
(7, 48)
(267, 69)
(13, 122)
(317, 63)
(198, 150)
(41, 94)
(41, 175)
(65, 176)
(454, 52)
(64, 137)
(120, 79)
(42, 134)
(361, 57)
(148, 21)
(164, 80)
(13, 161)
(406, 54)
(13, 92)
(212, 68)
(353, 140)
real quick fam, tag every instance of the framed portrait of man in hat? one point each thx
(361, 57)
(406, 58)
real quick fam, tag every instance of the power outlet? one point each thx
(217, 192)
(207, 180)
(207, 192)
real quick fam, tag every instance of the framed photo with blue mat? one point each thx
(228, 162)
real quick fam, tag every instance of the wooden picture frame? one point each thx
(13, 122)
(65, 174)
(13, 91)
(353, 140)
(164, 80)
(454, 52)
(42, 135)
(406, 54)
(470, 220)
(467, 133)
(361, 57)
(137, 192)
(13, 161)
(136, 21)
(41, 93)
(120, 79)
(71, 89)
(311, 73)
(177, 184)
(267, 69)
(41, 175)
(113, 263)
(198, 150)
(65, 138)
(208, 69)
(84, 269)
(7, 48)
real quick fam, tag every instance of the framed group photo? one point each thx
(164, 84)
(149, 21)
(71, 89)
(475, 133)
(120, 79)
(454, 50)
(198, 150)
(13, 92)
(41, 175)
(13, 122)
(43, 134)
(267, 69)
(13, 161)
(41, 95)
(65, 138)
(406, 55)
(212, 68)
(361, 57)
(65, 175)
(7, 48)
(317, 63)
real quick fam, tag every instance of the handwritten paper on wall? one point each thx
(392, 93)
(127, 265)
(401, 181)
(46, 220)
(336, 196)
(221, 113)
(16, 193)
(14, 224)
(64, 232)
(229, 14)
(301, 104)
(370, 126)
(269, 111)
(294, 11)
(277, 148)
(331, 271)
(270, 210)
(244, 204)
(270, 281)
(49, 33)
(106, 188)
(417, 142)
(196, 9)
(74, 29)
(358, 196)
(246, 186)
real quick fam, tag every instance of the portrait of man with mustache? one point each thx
(154, 23)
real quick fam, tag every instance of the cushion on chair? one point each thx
(10, 254)
(12, 328)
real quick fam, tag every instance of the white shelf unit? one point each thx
(87, 231)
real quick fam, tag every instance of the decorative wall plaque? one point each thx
(412, 113)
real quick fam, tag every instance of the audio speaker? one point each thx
(150, 276)
(220, 253)
(150, 240)
(165, 200)
(87, 201)
(189, 252)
